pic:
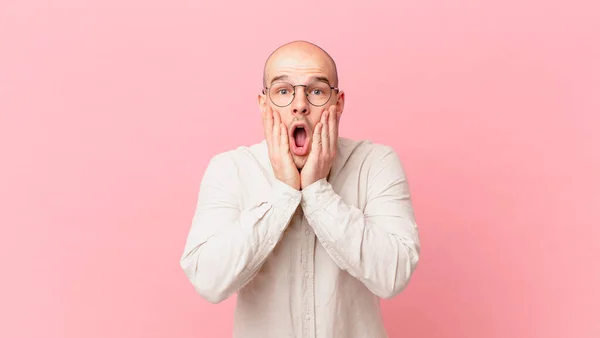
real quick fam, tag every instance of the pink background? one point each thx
(110, 111)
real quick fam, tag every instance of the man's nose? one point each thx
(300, 102)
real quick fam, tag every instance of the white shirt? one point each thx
(310, 263)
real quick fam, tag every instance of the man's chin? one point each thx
(300, 161)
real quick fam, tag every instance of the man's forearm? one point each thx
(381, 246)
(225, 247)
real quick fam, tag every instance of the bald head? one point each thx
(299, 55)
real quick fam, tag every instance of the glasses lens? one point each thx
(281, 93)
(318, 93)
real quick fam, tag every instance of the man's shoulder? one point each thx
(361, 154)
(363, 148)
(254, 152)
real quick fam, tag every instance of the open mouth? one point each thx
(299, 141)
(300, 136)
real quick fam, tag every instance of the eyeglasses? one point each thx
(282, 94)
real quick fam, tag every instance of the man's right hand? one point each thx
(277, 138)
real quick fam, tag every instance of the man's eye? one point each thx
(317, 92)
(283, 91)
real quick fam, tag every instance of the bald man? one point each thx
(309, 229)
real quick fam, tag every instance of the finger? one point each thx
(268, 127)
(269, 118)
(333, 129)
(325, 131)
(285, 142)
(276, 132)
(317, 142)
(276, 121)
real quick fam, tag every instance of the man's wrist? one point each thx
(308, 182)
(316, 196)
(286, 186)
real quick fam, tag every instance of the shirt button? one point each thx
(307, 317)
(307, 232)
(306, 274)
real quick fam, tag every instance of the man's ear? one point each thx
(262, 103)
(341, 98)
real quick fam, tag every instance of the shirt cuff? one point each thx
(282, 198)
(282, 192)
(316, 197)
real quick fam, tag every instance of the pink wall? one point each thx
(110, 110)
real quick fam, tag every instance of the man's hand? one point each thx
(277, 138)
(323, 151)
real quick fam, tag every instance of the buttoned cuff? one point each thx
(316, 197)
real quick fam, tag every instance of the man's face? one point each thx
(311, 75)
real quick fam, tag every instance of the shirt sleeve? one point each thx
(379, 246)
(226, 244)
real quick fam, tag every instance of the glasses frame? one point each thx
(266, 91)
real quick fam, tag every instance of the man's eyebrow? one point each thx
(279, 77)
(322, 78)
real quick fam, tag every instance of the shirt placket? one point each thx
(308, 287)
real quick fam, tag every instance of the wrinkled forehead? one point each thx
(299, 67)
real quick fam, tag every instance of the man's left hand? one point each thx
(323, 149)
